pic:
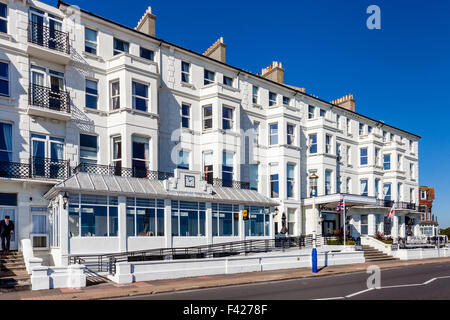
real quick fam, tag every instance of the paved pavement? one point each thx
(356, 282)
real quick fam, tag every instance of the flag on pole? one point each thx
(392, 212)
(340, 207)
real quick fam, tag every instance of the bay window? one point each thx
(387, 191)
(207, 117)
(290, 133)
(290, 178)
(313, 143)
(364, 187)
(327, 182)
(327, 144)
(363, 156)
(273, 132)
(117, 155)
(227, 118)
(387, 162)
(115, 95)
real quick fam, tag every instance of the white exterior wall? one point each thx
(166, 94)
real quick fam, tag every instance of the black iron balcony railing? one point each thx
(37, 168)
(230, 184)
(398, 205)
(120, 171)
(139, 172)
(48, 37)
(47, 98)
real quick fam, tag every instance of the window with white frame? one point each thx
(3, 18)
(387, 162)
(387, 191)
(185, 72)
(313, 143)
(227, 118)
(290, 180)
(120, 46)
(90, 41)
(254, 177)
(88, 148)
(91, 94)
(115, 95)
(272, 99)
(364, 187)
(4, 79)
(5, 142)
(327, 182)
(185, 115)
(286, 101)
(274, 181)
(311, 112)
(327, 144)
(255, 95)
(227, 168)
(93, 216)
(207, 117)
(290, 134)
(361, 129)
(256, 126)
(364, 157)
(140, 156)
(322, 113)
(273, 134)
(188, 219)
(209, 77)
(227, 81)
(140, 96)
(145, 217)
(146, 54)
(423, 194)
(208, 168)
(183, 159)
(117, 153)
(39, 224)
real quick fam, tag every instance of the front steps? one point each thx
(374, 255)
(13, 273)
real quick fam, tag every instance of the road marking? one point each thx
(387, 287)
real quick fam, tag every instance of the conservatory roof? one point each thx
(88, 183)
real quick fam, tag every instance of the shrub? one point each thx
(379, 236)
(340, 243)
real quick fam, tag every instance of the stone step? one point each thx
(16, 274)
(381, 260)
(14, 286)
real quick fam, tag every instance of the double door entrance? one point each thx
(47, 89)
(46, 30)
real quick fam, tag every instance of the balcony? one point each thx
(144, 173)
(398, 205)
(120, 171)
(45, 102)
(48, 43)
(36, 169)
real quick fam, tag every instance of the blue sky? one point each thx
(398, 74)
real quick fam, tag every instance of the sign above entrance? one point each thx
(188, 182)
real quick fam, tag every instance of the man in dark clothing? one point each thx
(6, 229)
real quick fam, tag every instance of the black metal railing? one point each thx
(116, 170)
(44, 97)
(406, 205)
(107, 262)
(48, 37)
(229, 183)
(36, 168)
(140, 172)
(385, 203)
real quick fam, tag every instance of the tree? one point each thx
(445, 232)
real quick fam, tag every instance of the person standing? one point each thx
(6, 230)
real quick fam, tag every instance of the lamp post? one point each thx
(313, 178)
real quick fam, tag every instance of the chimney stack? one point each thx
(274, 72)
(347, 102)
(217, 51)
(147, 24)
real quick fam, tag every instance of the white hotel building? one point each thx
(95, 118)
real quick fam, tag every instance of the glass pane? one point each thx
(3, 10)
(93, 221)
(4, 70)
(4, 87)
(140, 89)
(130, 222)
(90, 35)
(160, 222)
(145, 222)
(74, 221)
(147, 54)
(91, 101)
(175, 223)
(113, 221)
(88, 141)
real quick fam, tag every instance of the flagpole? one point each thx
(344, 223)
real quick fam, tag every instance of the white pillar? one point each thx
(122, 233)
(64, 231)
(402, 226)
(372, 224)
(168, 224)
(298, 221)
(241, 223)
(208, 228)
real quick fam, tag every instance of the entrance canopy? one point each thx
(331, 201)
(88, 183)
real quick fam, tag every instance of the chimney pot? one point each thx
(274, 72)
(147, 24)
(217, 51)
